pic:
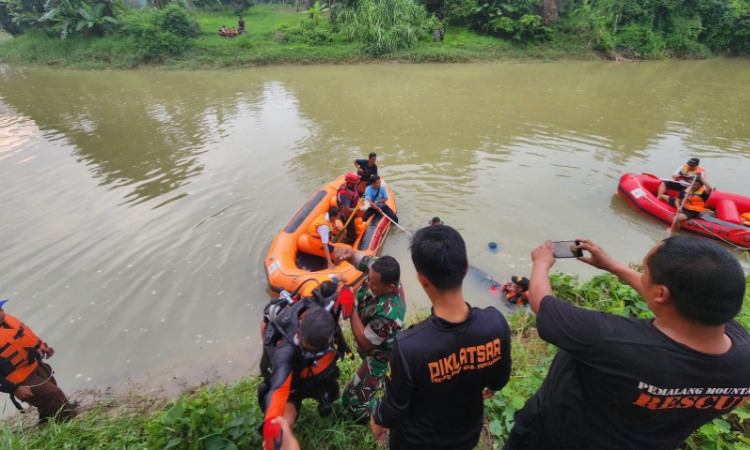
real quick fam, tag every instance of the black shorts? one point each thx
(675, 186)
(691, 214)
(330, 387)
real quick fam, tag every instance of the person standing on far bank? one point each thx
(442, 369)
(24, 375)
(647, 384)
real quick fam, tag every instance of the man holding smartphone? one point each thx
(625, 383)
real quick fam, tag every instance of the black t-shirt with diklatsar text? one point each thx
(438, 371)
(620, 383)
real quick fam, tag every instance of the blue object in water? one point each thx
(492, 245)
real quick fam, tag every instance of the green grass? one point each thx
(262, 46)
(226, 416)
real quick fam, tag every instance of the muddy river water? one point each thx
(137, 207)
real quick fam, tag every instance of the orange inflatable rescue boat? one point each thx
(292, 263)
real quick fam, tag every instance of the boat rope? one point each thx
(730, 243)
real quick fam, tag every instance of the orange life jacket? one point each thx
(694, 201)
(353, 196)
(519, 298)
(313, 230)
(687, 174)
(19, 354)
(745, 219)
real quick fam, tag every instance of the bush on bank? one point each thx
(227, 416)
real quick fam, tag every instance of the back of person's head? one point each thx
(333, 211)
(389, 270)
(439, 254)
(706, 281)
(316, 328)
(327, 288)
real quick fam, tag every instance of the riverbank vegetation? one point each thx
(183, 33)
(227, 416)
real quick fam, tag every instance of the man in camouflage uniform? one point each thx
(378, 316)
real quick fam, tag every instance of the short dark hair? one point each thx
(374, 178)
(372, 155)
(389, 270)
(316, 328)
(439, 254)
(706, 281)
(327, 288)
(333, 211)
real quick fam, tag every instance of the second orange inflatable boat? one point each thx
(288, 263)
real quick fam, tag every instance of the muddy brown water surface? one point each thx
(137, 207)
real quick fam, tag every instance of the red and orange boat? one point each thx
(291, 263)
(725, 225)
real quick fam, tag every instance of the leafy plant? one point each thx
(385, 26)
(66, 16)
(315, 11)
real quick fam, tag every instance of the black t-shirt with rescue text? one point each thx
(438, 371)
(620, 383)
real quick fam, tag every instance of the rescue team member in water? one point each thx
(442, 369)
(693, 201)
(377, 196)
(321, 231)
(347, 199)
(517, 291)
(625, 383)
(682, 177)
(378, 316)
(301, 342)
(436, 221)
(23, 375)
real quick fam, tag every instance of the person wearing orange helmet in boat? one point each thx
(693, 201)
(682, 177)
(322, 229)
(347, 199)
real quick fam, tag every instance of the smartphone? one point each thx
(566, 249)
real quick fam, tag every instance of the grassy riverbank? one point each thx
(273, 38)
(226, 416)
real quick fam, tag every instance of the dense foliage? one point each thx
(637, 28)
(157, 33)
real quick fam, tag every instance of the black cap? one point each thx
(521, 281)
(693, 161)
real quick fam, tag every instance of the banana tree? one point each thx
(66, 16)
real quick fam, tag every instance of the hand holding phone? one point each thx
(566, 249)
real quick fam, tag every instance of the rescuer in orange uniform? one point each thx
(23, 375)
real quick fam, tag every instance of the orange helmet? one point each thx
(351, 177)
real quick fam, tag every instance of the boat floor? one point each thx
(310, 263)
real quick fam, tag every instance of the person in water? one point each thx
(25, 376)
(377, 196)
(693, 201)
(322, 230)
(300, 350)
(436, 221)
(443, 368)
(682, 177)
(625, 383)
(377, 318)
(517, 291)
